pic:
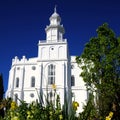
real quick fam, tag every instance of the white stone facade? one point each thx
(30, 78)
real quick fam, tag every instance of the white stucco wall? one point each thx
(79, 90)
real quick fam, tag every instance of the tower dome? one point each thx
(55, 15)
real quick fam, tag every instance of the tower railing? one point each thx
(52, 41)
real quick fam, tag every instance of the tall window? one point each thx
(72, 80)
(17, 82)
(51, 74)
(32, 81)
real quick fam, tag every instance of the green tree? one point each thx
(100, 62)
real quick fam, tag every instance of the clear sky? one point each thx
(23, 22)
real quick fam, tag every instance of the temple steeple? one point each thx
(55, 10)
(55, 31)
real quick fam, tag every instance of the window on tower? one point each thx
(51, 74)
(72, 80)
(17, 82)
(32, 81)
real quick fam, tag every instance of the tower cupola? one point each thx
(55, 18)
(55, 31)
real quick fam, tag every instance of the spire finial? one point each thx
(55, 10)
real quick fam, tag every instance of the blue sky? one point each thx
(23, 22)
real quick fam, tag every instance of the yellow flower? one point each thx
(108, 118)
(13, 105)
(110, 114)
(75, 105)
(54, 86)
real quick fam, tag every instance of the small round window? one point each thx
(32, 95)
(52, 48)
(18, 68)
(33, 67)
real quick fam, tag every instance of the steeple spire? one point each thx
(55, 10)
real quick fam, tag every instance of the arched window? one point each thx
(17, 82)
(32, 81)
(72, 80)
(51, 74)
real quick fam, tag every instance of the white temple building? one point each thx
(34, 77)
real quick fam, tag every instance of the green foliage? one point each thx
(90, 112)
(100, 62)
(35, 111)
